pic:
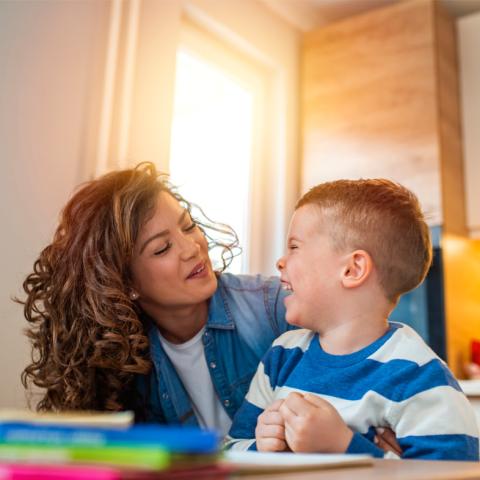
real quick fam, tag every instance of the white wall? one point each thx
(52, 87)
(51, 55)
(469, 55)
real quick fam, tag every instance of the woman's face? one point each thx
(170, 265)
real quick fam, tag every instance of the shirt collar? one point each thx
(219, 313)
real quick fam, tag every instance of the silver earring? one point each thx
(134, 296)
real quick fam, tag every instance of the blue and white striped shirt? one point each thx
(396, 382)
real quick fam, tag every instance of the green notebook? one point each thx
(138, 457)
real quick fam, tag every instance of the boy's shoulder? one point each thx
(285, 355)
(411, 365)
(405, 344)
(300, 338)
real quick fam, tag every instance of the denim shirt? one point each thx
(246, 313)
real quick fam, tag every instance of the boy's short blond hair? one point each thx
(383, 218)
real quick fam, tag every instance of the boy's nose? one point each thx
(280, 264)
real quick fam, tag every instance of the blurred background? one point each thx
(247, 104)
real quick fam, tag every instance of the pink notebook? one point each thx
(13, 471)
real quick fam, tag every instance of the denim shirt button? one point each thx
(165, 396)
(226, 402)
(213, 365)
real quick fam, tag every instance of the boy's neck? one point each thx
(351, 334)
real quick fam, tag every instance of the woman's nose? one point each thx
(190, 248)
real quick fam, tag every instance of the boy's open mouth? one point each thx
(286, 286)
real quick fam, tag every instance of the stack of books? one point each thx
(103, 447)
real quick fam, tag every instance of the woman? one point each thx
(127, 312)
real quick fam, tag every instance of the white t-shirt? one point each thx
(189, 361)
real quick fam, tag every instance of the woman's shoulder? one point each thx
(248, 298)
(252, 302)
(244, 282)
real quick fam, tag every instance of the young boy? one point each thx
(354, 247)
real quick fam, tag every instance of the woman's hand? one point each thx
(270, 430)
(387, 441)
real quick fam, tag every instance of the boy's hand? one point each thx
(270, 431)
(313, 425)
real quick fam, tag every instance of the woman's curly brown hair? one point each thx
(88, 341)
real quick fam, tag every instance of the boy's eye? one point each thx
(292, 247)
(163, 250)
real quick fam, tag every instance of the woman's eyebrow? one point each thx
(153, 237)
(163, 232)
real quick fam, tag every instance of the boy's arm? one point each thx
(432, 418)
(313, 425)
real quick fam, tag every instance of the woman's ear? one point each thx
(357, 269)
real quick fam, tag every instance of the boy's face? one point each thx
(311, 269)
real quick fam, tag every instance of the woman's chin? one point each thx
(202, 289)
(212, 283)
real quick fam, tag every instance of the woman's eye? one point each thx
(191, 227)
(163, 250)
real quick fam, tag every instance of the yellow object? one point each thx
(83, 418)
(461, 259)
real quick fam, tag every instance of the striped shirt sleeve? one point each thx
(279, 360)
(433, 419)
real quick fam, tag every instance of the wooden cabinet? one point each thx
(469, 54)
(380, 99)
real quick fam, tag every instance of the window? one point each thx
(217, 110)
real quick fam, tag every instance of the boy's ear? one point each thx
(357, 269)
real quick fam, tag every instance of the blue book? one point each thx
(172, 438)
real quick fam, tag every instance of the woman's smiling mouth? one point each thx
(199, 271)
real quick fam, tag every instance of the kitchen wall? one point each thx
(469, 42)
